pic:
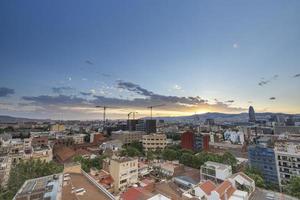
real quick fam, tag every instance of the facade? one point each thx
(127, 137)
(5, 166)
(194, 141)
(57, 128)
(288, 161)
(124, 172)
(78, 138)
(187, 140)
(39, 141)
(201, 142)
(131, 124)
(154, 141)
(44, 153)
(286, 130)
(216, 172)
(262, 158)
(148, 125)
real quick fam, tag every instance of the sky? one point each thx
(60, 59)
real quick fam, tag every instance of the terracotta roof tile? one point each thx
(207, 187)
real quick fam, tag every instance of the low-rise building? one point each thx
(57, 128)
(287, 157)
(216, 172)
(48, 187)
(78, 138)
(154, 141)
(127, 137)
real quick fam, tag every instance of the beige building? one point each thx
(154, 141)
(44, 153)
(5, 166)
(127, 137)
(124, 172)
(78, 138)
(57, 128)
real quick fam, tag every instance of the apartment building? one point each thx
(154, 141)
(5, 166)
(124, 171)
(127, 137)
(57, 128)
(78, 138)
(44, 153)
(216, 172)
(287, 157)
(262, 158)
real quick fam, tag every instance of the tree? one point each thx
(87, 163)
(256, 176)
(229, 159)
(169, 154)
(293, 188)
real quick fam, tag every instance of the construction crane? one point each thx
(133, 114)
(104, 113)
(151, 107)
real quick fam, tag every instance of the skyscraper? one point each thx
(251, 114)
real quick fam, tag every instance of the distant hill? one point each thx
(10, 119)
(240, 117)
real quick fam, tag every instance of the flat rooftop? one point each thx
(220, 166)
(78, 181)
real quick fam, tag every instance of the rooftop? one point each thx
(207, 187)
(217, 165)
(47, 187)
(78, 181)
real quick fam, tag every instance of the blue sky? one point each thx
(225, 54)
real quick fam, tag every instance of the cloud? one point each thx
(69, 78)
(54, 100)
(86, 93)
(60, 90)
(235, 45)
(296, 75)
(267, 81)
(4, 91)
(230, 101)
(177, 87)
(272, 98)
(173, 104)
(89, 62)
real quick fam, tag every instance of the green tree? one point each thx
(293, 188)
(256, 176)
(229, 159)
(169, 154)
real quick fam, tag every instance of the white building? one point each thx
(287, 157)
(216, 172)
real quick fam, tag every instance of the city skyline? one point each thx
(61, 59)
